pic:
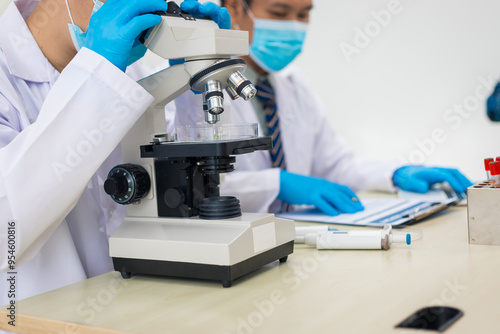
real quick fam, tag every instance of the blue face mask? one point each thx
(276, 43)
(79, 37)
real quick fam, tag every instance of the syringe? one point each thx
(356, 239)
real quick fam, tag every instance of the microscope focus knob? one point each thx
(127, 183)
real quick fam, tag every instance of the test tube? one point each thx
(487, 167)
(495, 173)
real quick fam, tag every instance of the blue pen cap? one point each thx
(408, 239)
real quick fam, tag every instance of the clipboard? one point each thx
(439, 192)
(378, 212)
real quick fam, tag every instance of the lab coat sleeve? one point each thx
(45, 168)
(338, 163)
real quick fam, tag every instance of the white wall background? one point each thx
(416, 87)
(3, 5)
(423, 71)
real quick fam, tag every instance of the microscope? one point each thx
(177, 223)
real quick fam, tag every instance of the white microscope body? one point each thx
(152, 240)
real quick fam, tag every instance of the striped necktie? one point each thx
(265, 94)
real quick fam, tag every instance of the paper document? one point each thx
(377, 212)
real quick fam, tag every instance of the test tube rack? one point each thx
(483, 212)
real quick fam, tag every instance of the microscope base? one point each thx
(225, 274)
(221, 250)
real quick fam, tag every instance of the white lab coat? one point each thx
(311, 145)
(58, 139)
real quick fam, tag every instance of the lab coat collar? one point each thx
(26, 7)
(24, 57)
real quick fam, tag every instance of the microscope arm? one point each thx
(167, 85)
(164, 86)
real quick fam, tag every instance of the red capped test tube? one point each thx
(495, 173)
(487, 167)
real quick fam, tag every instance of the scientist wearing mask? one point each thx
(309, 164)
(65, 105)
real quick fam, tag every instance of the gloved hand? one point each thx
(115, 28)
(420, 179)
(219, 15)
(331, 198)
(493, 105)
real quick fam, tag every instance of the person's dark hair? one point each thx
(223, 2)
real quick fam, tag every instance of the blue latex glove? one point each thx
(219, 15)
(493, 105)
(115, 28)
(420, 179)
(331, 198)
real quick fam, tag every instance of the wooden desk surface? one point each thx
(314, 292)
